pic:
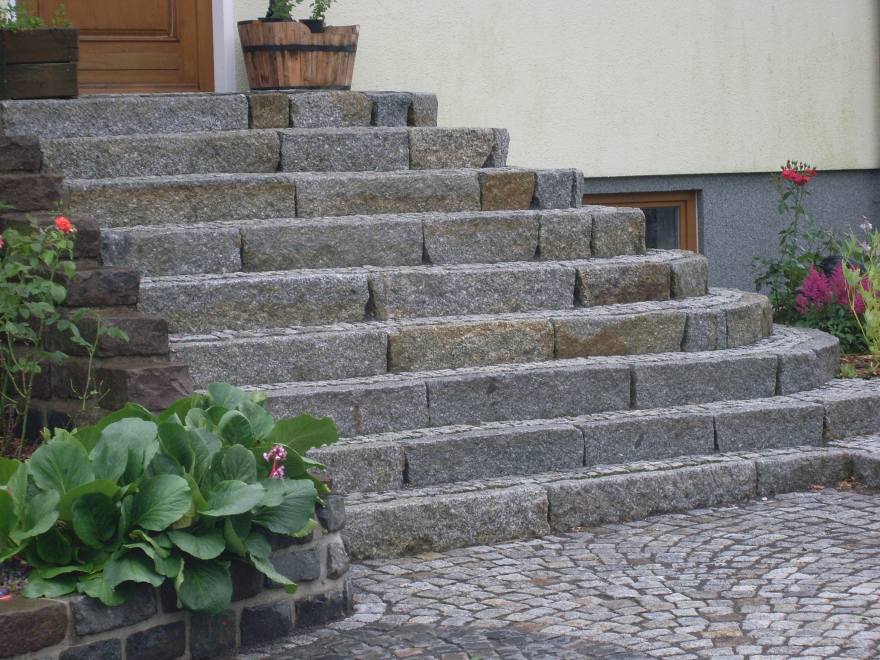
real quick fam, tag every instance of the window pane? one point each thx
(662, 228)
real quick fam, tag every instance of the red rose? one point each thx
(64, 225)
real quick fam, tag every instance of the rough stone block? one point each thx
(690, 276)
(768, 425)
(332, 242)
(321, 610)
(480, 238)
(358, 409)
(557, 189)
(801, 472)
(450, 148)
(285, 358)
(330, 109)
(108, 649)
(409, 526)
(247, 581)
(19, 154)
(391, 192)
(615, 283)
(542, 393)
(147, 335)
(103, 287)
(345, 150)
(273, 300)
(265, 623)
(87, 240)
(212, 635)
(30, 192)
(469, 344)
(506, 190)
(331, 514)
(866, 469)
(90, 616)
(639, 438)
(745, 322)
(688, 380)
(30, 625)
(337, 560)
(798, 371)
(706, 330)
(498, 157)
(566, 234)
(851, 414)
(636, 334)
(269, 110)
(390, 108)
(189, 250)
(621, 498)
(825, 346)
(159, 155)
(298, 565)
(617, 231)
(362, 467)
(183, 199)
(485, 454)
(461, 290)
(423, 111)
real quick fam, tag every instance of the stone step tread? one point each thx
(461, 453)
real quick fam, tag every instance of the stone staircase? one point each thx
(487, 346)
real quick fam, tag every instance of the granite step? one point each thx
(281, 299)
(137, 114)
(185, 199)
(290, 150)
(411, 239)
(434, 456)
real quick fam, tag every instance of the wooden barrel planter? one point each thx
(288, 55)
(39, 63)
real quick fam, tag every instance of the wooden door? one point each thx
(141, 45)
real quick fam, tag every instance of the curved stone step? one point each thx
(185, 199)
(290, 150)
(471, 237)
(434, 456)
(244, 301)
(133, 114)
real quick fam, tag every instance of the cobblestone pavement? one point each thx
(796, 576)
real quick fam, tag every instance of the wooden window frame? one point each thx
(685, 201)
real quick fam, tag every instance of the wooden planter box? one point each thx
(39, 64)
(287, 55)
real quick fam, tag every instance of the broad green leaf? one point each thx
(166, 565)
(131, 566)
(17, 487)
(261, 420)
(235, 532)
(103, 486)
(205, 446)
(182, 407)
(303, 433)
(55, 571)
(275, 491)
(196, 418)
(128, 411)
(175, 442)
(236, 429)
(139, 440)
(160, 502)
(198, 499)
(96, 587)
(8, 519)
(109, 460)
(39, 515)
(235, 463)
(38, 587)
(205, 586)
(8, 466)
(207, 545)
(295, 510)
(266, 568)
(88, 437)
(258, 545)
(164, 464)
(231, 498)
(226, 395)
(60, 466)
(215, 414)
(53, 548)
(95, 519)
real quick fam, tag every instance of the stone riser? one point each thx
(369, 349)
(238, 301)
(292, 150)
(429, 457)
(128, 202)
(482, 237)
(133, 114)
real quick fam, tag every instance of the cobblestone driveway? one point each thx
(797, 576)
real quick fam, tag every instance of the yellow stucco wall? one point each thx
(632, 87)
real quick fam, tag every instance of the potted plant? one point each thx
(37, 61)
(281, 52)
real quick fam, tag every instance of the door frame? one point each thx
(225, 45)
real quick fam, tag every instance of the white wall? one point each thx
(636, 87)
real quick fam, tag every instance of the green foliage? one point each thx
(837, 320)
(863, 282)
(22, 17)
(284, 9)
(142, 498)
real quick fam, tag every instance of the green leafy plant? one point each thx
(863, 280)
(176, 497)
(284, 9)
(22, 17)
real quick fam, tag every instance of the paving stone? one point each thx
(558, 189)
(484, 454)
(423, 111)
(298, 565)
(657, 332)
(690, 276)
(801, 472)
(157, 155)
(108, 649)
(760, 425)
(390, 108)
(332, 242)
(377, 466)
(566, 234)
(617, 231)
(461, 290)
(613, 283)
(323, 609)
(540, 393)
(474, 343)
(503, 190)
(44, 621)
(269, 110)
(91, 616)
(265, 623)
(480, 238)
(450, 148)
(639, 438)
(345, 150)
(212, 635)
(124, 114)
(330, 109)
(158, 643)
(392, 192)
(169, 250)
(19, 154)
(237, 301)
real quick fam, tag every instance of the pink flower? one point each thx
(815, 290)
(277, 472)
(276, 456)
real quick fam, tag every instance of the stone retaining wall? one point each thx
(151, 626)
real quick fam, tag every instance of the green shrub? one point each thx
(284, 9)
(140, 498)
